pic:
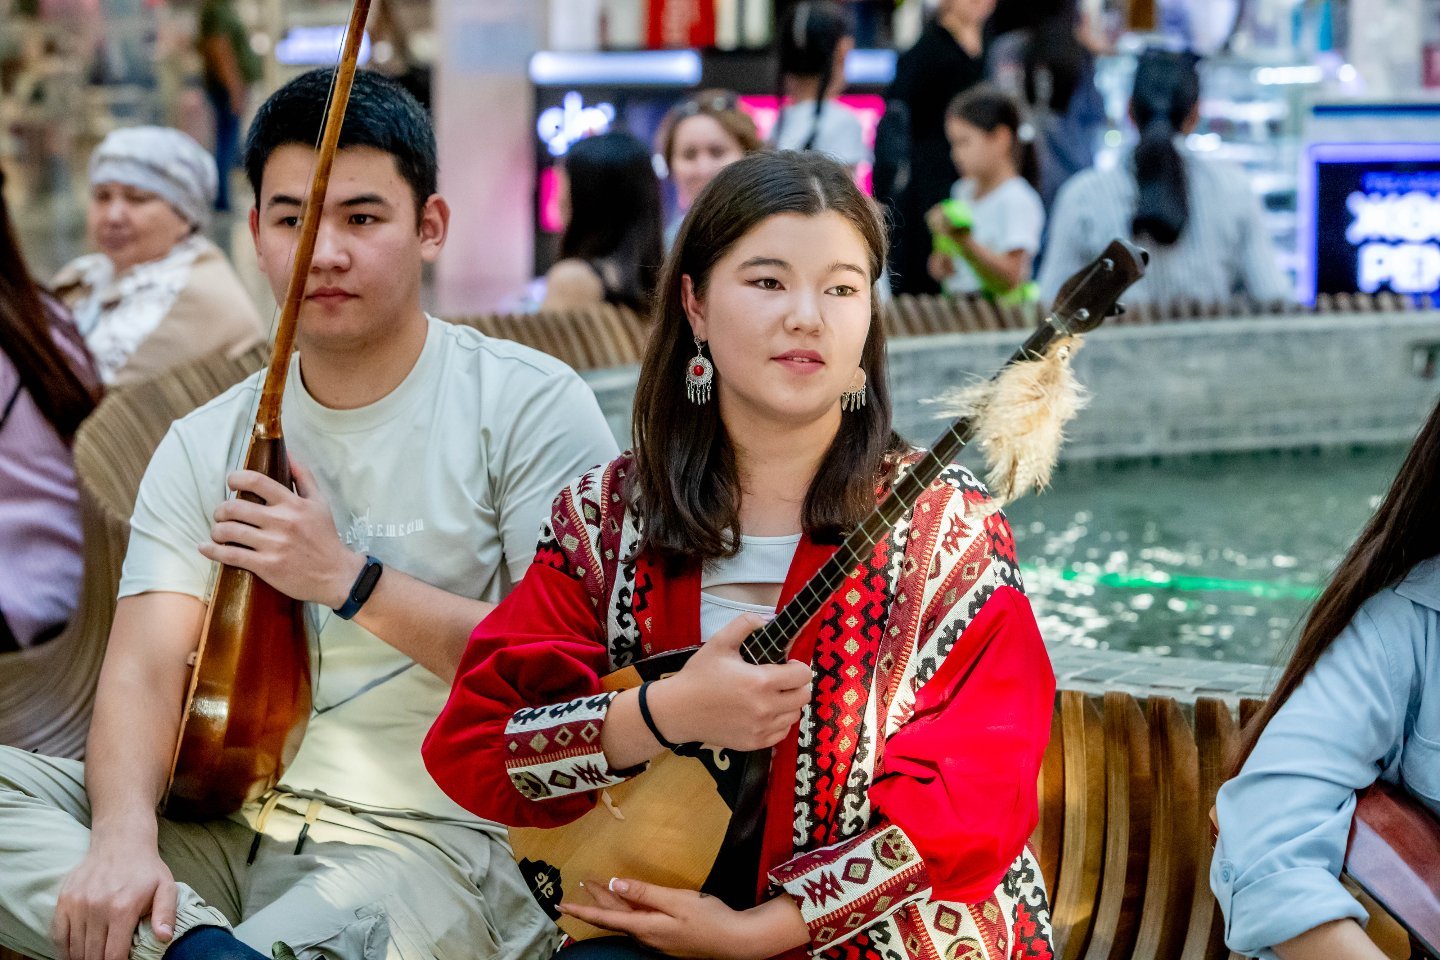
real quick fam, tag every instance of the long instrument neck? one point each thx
(771, 643)
(267, 417)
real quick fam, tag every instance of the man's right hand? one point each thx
(104, 899)
(721, 699)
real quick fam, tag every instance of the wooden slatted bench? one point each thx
(46, 692)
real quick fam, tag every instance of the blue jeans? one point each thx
(211, 943)
(608, 948)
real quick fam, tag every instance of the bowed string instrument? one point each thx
(249, 697)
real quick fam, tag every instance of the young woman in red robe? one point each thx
(907, 726)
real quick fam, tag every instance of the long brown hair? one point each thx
(1404, 531)
(25, 337)
(687, 488)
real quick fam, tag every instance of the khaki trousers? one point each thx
(362, 887)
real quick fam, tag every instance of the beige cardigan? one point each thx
(210, 311)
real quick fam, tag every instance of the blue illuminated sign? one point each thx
(1369, 219)
(317, 46)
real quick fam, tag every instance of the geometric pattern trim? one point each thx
(555, 750)
(1011, 924)
(846, 887)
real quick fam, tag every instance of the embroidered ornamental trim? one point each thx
(555, 750)
(1011, 924)
(844, 888)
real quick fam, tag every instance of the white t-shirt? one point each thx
(838, 134)
(447, 478)
(1009, 217)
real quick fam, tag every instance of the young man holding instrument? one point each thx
(425, 451)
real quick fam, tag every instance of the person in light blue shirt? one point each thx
(1359, 702)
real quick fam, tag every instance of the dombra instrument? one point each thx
(667, 825)
(249, 697)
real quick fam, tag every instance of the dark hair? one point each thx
(1167, 87)
(26, 338)
(809, 37)
(686, 489)
(1404, 531)
(989, 108)
(1055, 62)
(615, 214)
(381, 114)
(722, 106)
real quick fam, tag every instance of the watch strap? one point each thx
(361, 589)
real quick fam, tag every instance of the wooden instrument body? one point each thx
(1394, 856)
(665, 826)
(249, 697)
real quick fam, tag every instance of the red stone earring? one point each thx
(699, 375)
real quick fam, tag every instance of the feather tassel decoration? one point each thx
(1018, 419)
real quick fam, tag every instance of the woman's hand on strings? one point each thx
(289, 540)
(683, 923)
(721, 699)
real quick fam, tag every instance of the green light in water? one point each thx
(1266, 589)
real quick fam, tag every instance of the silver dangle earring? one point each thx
(855, 397)
(699, 374)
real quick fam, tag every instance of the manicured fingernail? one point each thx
(616, 885)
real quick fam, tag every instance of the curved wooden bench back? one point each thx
(1132, 879)
(600, 337)
(46, 692)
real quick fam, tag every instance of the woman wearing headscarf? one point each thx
(157, 292)
(1208, 251)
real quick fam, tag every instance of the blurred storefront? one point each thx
(1283, 80)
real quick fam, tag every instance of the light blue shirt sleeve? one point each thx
(1285, 819)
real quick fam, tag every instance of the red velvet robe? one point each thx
(898, 810)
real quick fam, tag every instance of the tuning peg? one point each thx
(1117, 309)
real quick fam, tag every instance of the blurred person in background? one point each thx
(231, 65)
(814, 40)
(991, 249)
(1049, 64)
(157, 293)
(47, 387)
(1207, 251)
(698, 138)
(611, 249)
(913, 169)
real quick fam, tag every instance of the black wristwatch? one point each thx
(362, 588)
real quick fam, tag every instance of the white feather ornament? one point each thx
(1018, 419)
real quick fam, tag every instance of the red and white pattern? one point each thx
(898, 812)
(556, 750)
(844, 888)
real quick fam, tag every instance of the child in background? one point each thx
(814, 41)
(991, 250)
